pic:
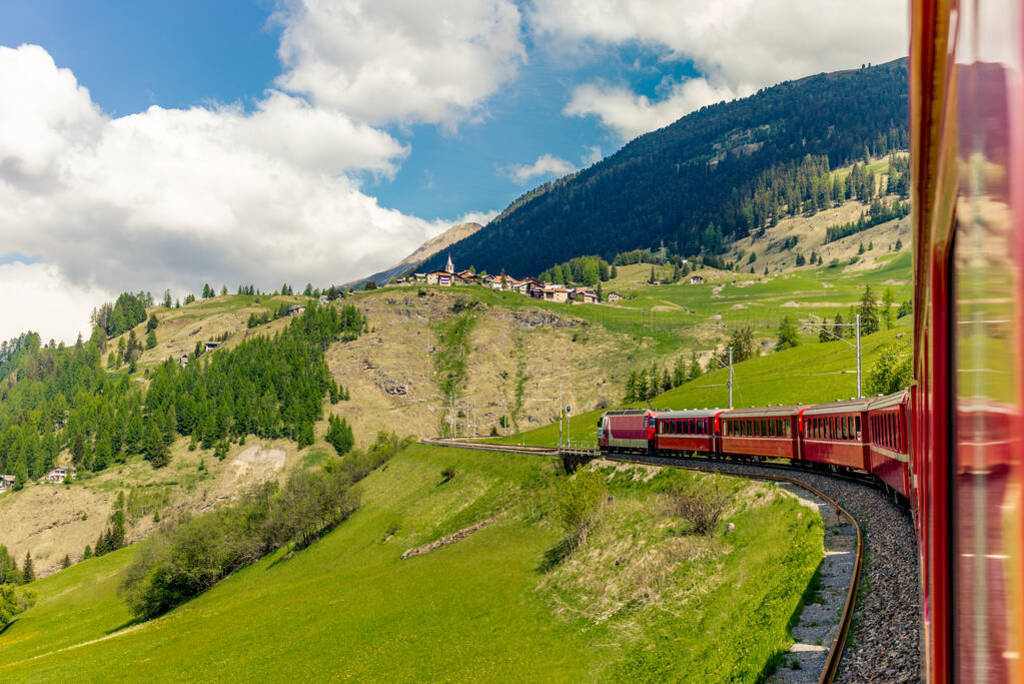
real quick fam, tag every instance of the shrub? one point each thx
(893, 371)
(447, 474)
(12, 602)
(701, 503)
(579, 505)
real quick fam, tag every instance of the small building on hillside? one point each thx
(555, 293)
(613, 297)
(583, 295)
(7, 482)
(444, 279)
(59, 474)
(211, 346)
(296, 310)
(696, 279)
(322, 300)
(183, 360)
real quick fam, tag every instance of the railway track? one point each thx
(879, 632)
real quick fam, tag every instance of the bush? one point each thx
(893, 371)
(701, 503)
(579, 505)
(12, 602)
(447, 474)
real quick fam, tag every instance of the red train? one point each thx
(866, 435)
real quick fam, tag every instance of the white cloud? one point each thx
(737, 45)
(545, 165)
(54, 307)
(179, 197)
(630, 115)
(404, 61)
(741, 44)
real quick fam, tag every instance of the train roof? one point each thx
(627, 412)
(888, 400)
(761, 412)
(848, 406)
(689, 413)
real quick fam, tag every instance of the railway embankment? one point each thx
(884, 639)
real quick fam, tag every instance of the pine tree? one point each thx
(151, 339)
(679, 372)
(887, 302)
(65, 562)
(631, 387)
(838, 330)
(694, 369)
(787, 335)
(87, 554)
(868, 312)
(28, 572)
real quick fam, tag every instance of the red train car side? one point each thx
(835, 434)
(889, 441)
(685, 431)
(770, 432)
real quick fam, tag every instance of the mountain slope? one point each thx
(713, 174)
(434, 245)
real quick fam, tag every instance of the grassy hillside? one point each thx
(811, 373)
(349, 607)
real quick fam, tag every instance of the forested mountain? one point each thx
(714, 175)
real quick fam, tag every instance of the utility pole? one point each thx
(730, 377)
(859, 393)
(559, 416)
(568, 428)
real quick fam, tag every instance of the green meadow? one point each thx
(486, 608)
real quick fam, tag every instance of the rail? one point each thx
(585, 451)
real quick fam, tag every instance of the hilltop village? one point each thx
(528, 287)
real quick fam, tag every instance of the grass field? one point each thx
(349, 608)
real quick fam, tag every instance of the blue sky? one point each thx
(132, 55)
(148, 145)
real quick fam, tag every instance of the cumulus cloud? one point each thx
(742, 44)
(385, 61)
(629, 114)
(178, 197)
(545, 165)
(737, 45)
(38, 293)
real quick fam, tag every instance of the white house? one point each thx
(59, 474)
(7, 482)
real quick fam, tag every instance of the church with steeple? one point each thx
(449, 267)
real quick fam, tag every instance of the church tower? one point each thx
(450, 267)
